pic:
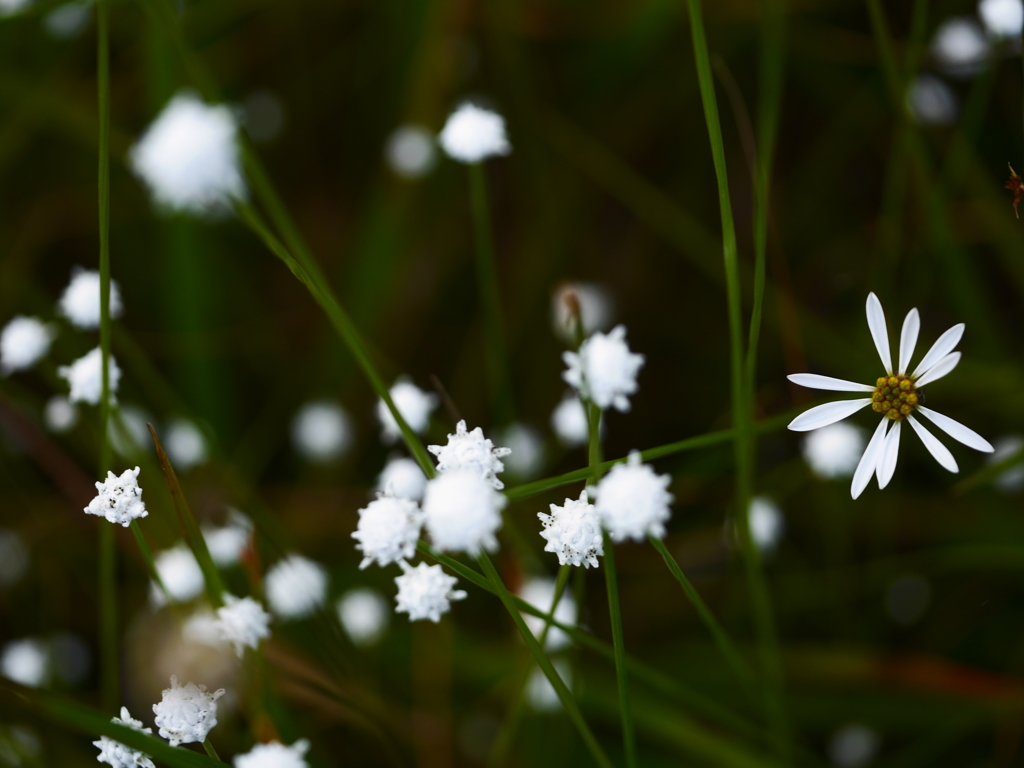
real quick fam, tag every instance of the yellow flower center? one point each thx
(894, 396)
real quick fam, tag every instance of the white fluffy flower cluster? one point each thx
(188, 156)
(402, 477)
(274, 755)
(388, 530)
(473, 452)
(573, 532)
(80, 302)
(462, 512)
(604, 371)
(119, 499)
(540, 593)
(364, 614)
(322, 431)
(24, 341)
(569, 421)
(186, 713)
(295, 587)
(85, 377)
(425, 592)
(413, 403)
(116, 754)
(632, 501)
(179, 573)
(242, 622)
(472, 134)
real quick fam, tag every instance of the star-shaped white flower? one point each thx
(895, 396)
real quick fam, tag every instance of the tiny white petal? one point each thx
(935, 448)
(942, 347)
(908, 339)
(814, 381)
(957, 431)
(829, 413)
(868, 462)
(940, 369)
(890, 453)
(879, 330)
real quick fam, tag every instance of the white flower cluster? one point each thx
(24, 341)
(274, 755)
(425, 592)
(462, 512)
(473, 134)
(186, 713)
(604, 371)
(242, 622)
(119, 499)
(80, 302)
(573, 532)
(402, 477)
(388, 530)
(85, 377)
(632, 501)
(413, 403)
(471, 451)
(295, 587)
(116, 754)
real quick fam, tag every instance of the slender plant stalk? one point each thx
(210, 750)
(496, 352)
(147, 556)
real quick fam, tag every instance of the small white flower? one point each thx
(68, 20)
(834, 451)
(180, 575)
(569, 421)
(26, 661)
(587, 301)
(116, 754)
(1002, 18)
(295, 587)
(766, 523)
(931, 101)
(186, 713)
(188, 156)
(227, 543)
(85, 377)
(413, 403)
(24, 341)
(632, 501)
(539, 691)
(322, 431)
(274, 755)
(425, 592)
(202, 628)
(80, 302)
(242, 622)
(896, 397)
(128, 430)
(604, 371)
(185, 444)
(526, 459)
(573, 532)
(463, 512)
(473, 452)
(960, 46)
(364, 614)
(60, 414)
(119, 499)
(402, 477)
(540, 593)
(411, 152)
(388, 530)
(473, 134)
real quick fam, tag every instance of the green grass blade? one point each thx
(147, 556)
(619, 648)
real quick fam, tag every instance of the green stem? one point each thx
(147, 556)
(210, 750)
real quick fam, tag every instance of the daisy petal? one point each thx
(879, 331)
(957, 431)
(935, 448)
(887, 459)
(829, 413)
(942, 347)
(814, 381)
(940, 369)
(908, 339)
(866, 466)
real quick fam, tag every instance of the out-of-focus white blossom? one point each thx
(526, 459)
(128, 431)
(413, 403)
(569, 421)
(242, 622)
(473, 134)
(60, 414)
(425, 592)
(539, 691)
(203, 628)
(633, 501)
(227, 543)
(1002, 18)
(388, 529)
(960, 46)
(188, 157)
(80, 302)
(411, 152)
(463, 512)
(853, 746)
(471, 451)
(186, 713)
(68, 20)
(1012, 480)
(274, 755)
(116, 754)
(118, 499)
(573, 532)
(931, 101)
(587, 301)
(295, 587)
(402, 477)
(26, 661)
(24, 341)
(766, 523)
(9, 7)
(834, 451)
(180, 574)
(540, 593)
(85, 377)
(185, 444)
(364, 614)
(14, 557)
(604, 371)
(322, 431)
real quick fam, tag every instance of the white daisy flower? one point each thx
(896, 396)
(402, 477)
(473, 452)
(80, 302)
(85, 377)
(569, 421)
(462, 512)
(116, 754)
(364, 614)
(473, 134)
(295, 587)
(573, 532)
(242, 622)
(604, 371)
(413, 403)
(633, 501)
(1002, 18)
(274, 755)
(425, 592)
(24, 341)
(186, 713)
(119, 499)
(388, 529)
